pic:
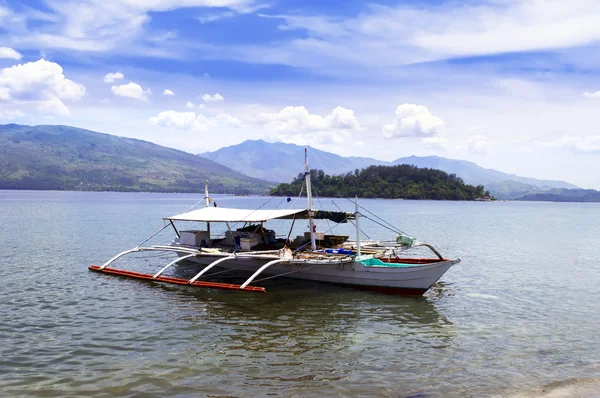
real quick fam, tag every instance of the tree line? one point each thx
(390, 182)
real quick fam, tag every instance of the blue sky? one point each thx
(511, 85)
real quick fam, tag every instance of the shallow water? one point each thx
(517, 317)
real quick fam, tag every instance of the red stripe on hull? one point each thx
(175, 281)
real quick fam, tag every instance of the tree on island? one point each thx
(390, 182)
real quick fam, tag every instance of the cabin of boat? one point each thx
(252, 234)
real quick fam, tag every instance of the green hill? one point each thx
(69, 158)
(564, 195)
(402, 181)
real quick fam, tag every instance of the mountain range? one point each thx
(280, 162)
(69, 158)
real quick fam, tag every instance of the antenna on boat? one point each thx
(207, 204)
(311, 223)
(356, 216)
(206, 194)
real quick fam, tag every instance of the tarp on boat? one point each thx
(224, 214)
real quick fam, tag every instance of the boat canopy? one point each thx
(224, 214)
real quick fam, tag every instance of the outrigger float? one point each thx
(315, 256)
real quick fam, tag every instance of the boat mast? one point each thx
(356, 216)
(311, 223)
(207, 204)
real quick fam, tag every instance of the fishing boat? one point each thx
(260, 253)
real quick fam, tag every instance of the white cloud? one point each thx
(296, 124)
(168, 92)
(39, 84)
(111, 77)
(180, 120)
(212, 98)
(592, 95)
(131, 90)
(6, 52)
(386, 36)
(190, 105)
(102, 25)
(193, 121)
(436, 143)
(477, 144)
(589, 144)
(342, 118)
(413, 121)
(215, 17)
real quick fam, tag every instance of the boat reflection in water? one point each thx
(304, 336)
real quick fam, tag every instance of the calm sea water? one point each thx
(520, 316)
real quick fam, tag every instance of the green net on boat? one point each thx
(375, 262)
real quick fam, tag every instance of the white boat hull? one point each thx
(411, 279)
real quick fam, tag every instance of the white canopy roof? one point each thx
(224, 214)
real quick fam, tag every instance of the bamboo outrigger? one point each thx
(372, 265)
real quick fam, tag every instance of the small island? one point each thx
(389, 182)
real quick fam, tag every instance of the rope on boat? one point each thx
(389, 226)
(292, 204)
(321, 204)
(196, 204)
(363, 232)
(329, 230)
(154, 234)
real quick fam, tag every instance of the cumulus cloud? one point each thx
(477, 144)
(212, 98)
(193, 121)
(111, 77)
(6, 52)
(592, 95)
(413, 121)
(190, 105)
(296, 124)
(180, 120)
(40, 84)
(168, 92)
(131, 90)
(290, 124)
(589, 144)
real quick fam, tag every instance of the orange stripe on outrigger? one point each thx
(175, 281)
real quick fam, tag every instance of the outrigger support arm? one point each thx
(261, 269)
(208, 267)
(112, 260)
(171, 263)
(430, 247)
